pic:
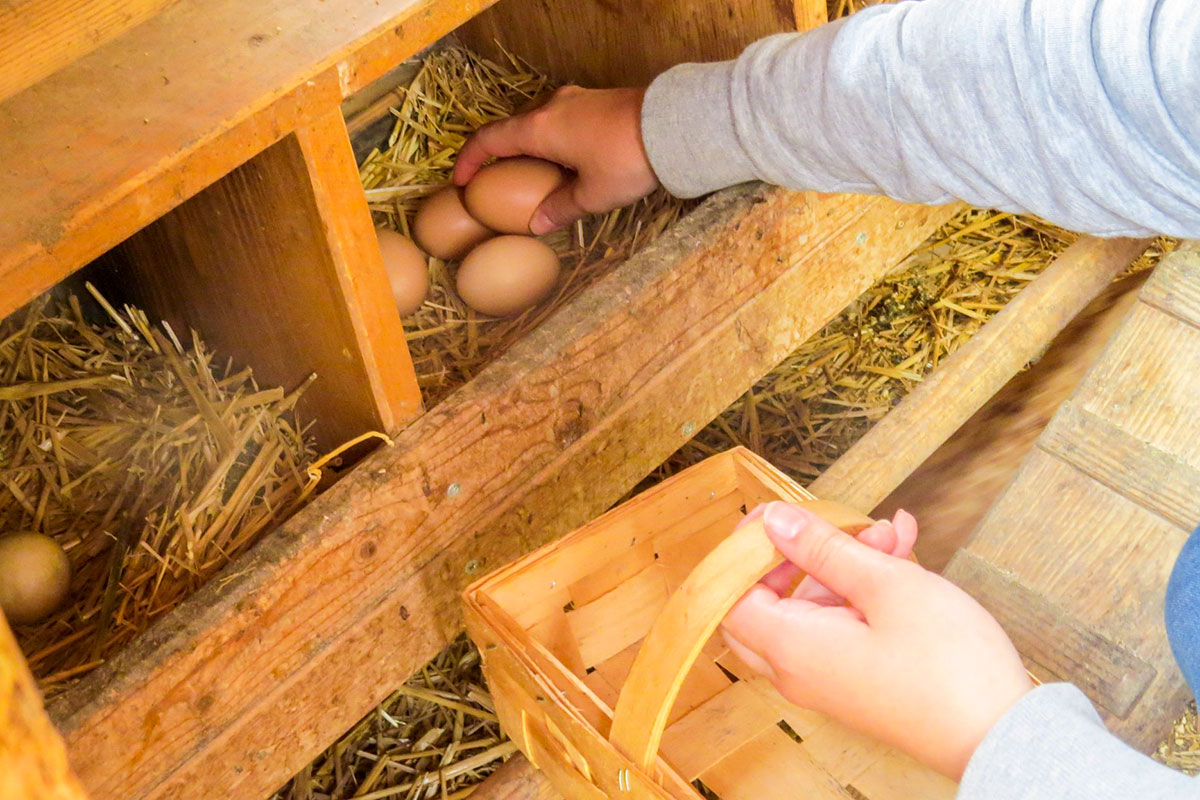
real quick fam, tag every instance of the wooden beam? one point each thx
(953, 489)
(277, 266)
(38, 37)
(600, 43)
(810, 14)
(33, 761)
(517, 779)
(251, 677)
(939, 405)
(111, 142)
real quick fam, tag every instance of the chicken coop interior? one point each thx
(270, 484)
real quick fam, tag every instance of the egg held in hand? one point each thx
(444, 229)
(35, 577)
(504, 195)
(407, 270)
(506, 275)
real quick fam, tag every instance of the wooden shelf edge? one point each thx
(119, 137)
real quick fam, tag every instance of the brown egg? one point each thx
(506, 275)
(35, 576)
(443, 227)
(504, 195)
(406, 268)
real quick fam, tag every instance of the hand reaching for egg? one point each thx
(595, 133)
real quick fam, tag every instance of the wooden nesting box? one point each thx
(214, 175)
(600, 655)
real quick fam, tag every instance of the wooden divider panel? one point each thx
(276, 265)
(33, 761)
(599, 43)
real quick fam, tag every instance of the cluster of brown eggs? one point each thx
(503, 270)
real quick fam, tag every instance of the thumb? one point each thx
(560, 208)
(834, 558)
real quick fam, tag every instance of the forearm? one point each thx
(1081, 111)
(1052, 745)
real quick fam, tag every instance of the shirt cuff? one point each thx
(1052, 743)
(688, 130)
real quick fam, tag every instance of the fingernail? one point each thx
(540, 224)
(786, 521)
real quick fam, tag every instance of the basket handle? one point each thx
(689, 618)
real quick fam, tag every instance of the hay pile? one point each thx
(150, 463)
(454, 93)
(436, 736)
(1181, 749)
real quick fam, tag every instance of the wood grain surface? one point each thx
(600, 43)
(277, 267)
(114, 140)
(33, 761)
(38, 37)
(1092, 522)
(260, 669)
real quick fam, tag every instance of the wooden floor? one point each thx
(1074, 557)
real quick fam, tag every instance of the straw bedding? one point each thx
(152, 464)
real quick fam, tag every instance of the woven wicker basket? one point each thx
(601, 656)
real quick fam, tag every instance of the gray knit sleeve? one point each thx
(1086, 112)
(1053, 746)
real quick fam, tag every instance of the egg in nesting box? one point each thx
(407, 270)
(506, 275)
(443, 227)
(504, 195)
(35, 577)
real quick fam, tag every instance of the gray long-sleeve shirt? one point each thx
(1052, 746)
(1085, 112)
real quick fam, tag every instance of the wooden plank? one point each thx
(899, 777)
(33, 761)
(809, 14)
(715, 729)
(1154, 479)
(256, 673)
(113, 141)
(771, 766)
(516, 779)
(1093, 547)
(617, 619)
(940, 404)
(1175, 287)
(38, 37)
(1147, 384)
(598, 43)
(952, 490)
(1055, 645)
(1083, 547)
(843, 753)
(278, 267)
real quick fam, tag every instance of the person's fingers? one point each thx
(747, 656)
(785, 632)
(754, 620)
(785, 579)
(905, 525)
(881, 536)
(558, 210)
(500, 139)
(846, 566)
